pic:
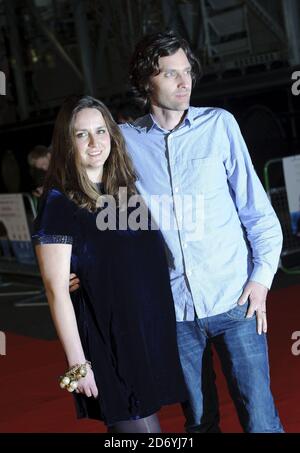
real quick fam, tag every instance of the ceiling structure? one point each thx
(52, 48)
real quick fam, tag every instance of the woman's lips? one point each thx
(94, 154)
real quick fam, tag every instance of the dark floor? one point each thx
(25, 311)
(32, 317)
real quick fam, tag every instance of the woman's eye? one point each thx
(101, 131)
(81, 135)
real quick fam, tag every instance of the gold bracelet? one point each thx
(69, 380)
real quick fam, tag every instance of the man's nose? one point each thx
(183, 80)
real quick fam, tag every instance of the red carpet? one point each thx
(31, 400)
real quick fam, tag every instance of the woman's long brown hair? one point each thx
(66, 171)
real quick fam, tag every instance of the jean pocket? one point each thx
(239, 312)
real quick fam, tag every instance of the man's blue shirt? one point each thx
(204, 171)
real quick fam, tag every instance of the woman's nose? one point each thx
(93, 141)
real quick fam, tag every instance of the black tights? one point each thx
(142, 425)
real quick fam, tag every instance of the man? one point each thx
(220, 278)
(38, 160)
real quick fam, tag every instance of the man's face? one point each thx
(171, 88)
(42, 163)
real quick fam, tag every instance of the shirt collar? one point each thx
(191, 115)
(147, 122)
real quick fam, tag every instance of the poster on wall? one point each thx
(15, 240)
(291, 170)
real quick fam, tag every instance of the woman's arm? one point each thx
(54, 263)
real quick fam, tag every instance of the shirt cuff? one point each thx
(263, 275)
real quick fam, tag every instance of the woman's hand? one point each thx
(87, 385)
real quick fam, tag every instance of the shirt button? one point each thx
(189, 272)
(176, 189)
(184, 245)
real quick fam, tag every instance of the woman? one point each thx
(122, 319)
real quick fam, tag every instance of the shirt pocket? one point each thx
(207, 174)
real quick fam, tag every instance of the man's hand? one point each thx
(257, 295)
(74, 283)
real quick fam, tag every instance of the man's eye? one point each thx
(170, 74)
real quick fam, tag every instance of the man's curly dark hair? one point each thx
(144, 61)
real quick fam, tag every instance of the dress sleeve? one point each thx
(54, 223)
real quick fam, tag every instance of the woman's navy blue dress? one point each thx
(124, 310)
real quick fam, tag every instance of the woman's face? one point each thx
(93, 141)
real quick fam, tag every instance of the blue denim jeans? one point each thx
(244, 358)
